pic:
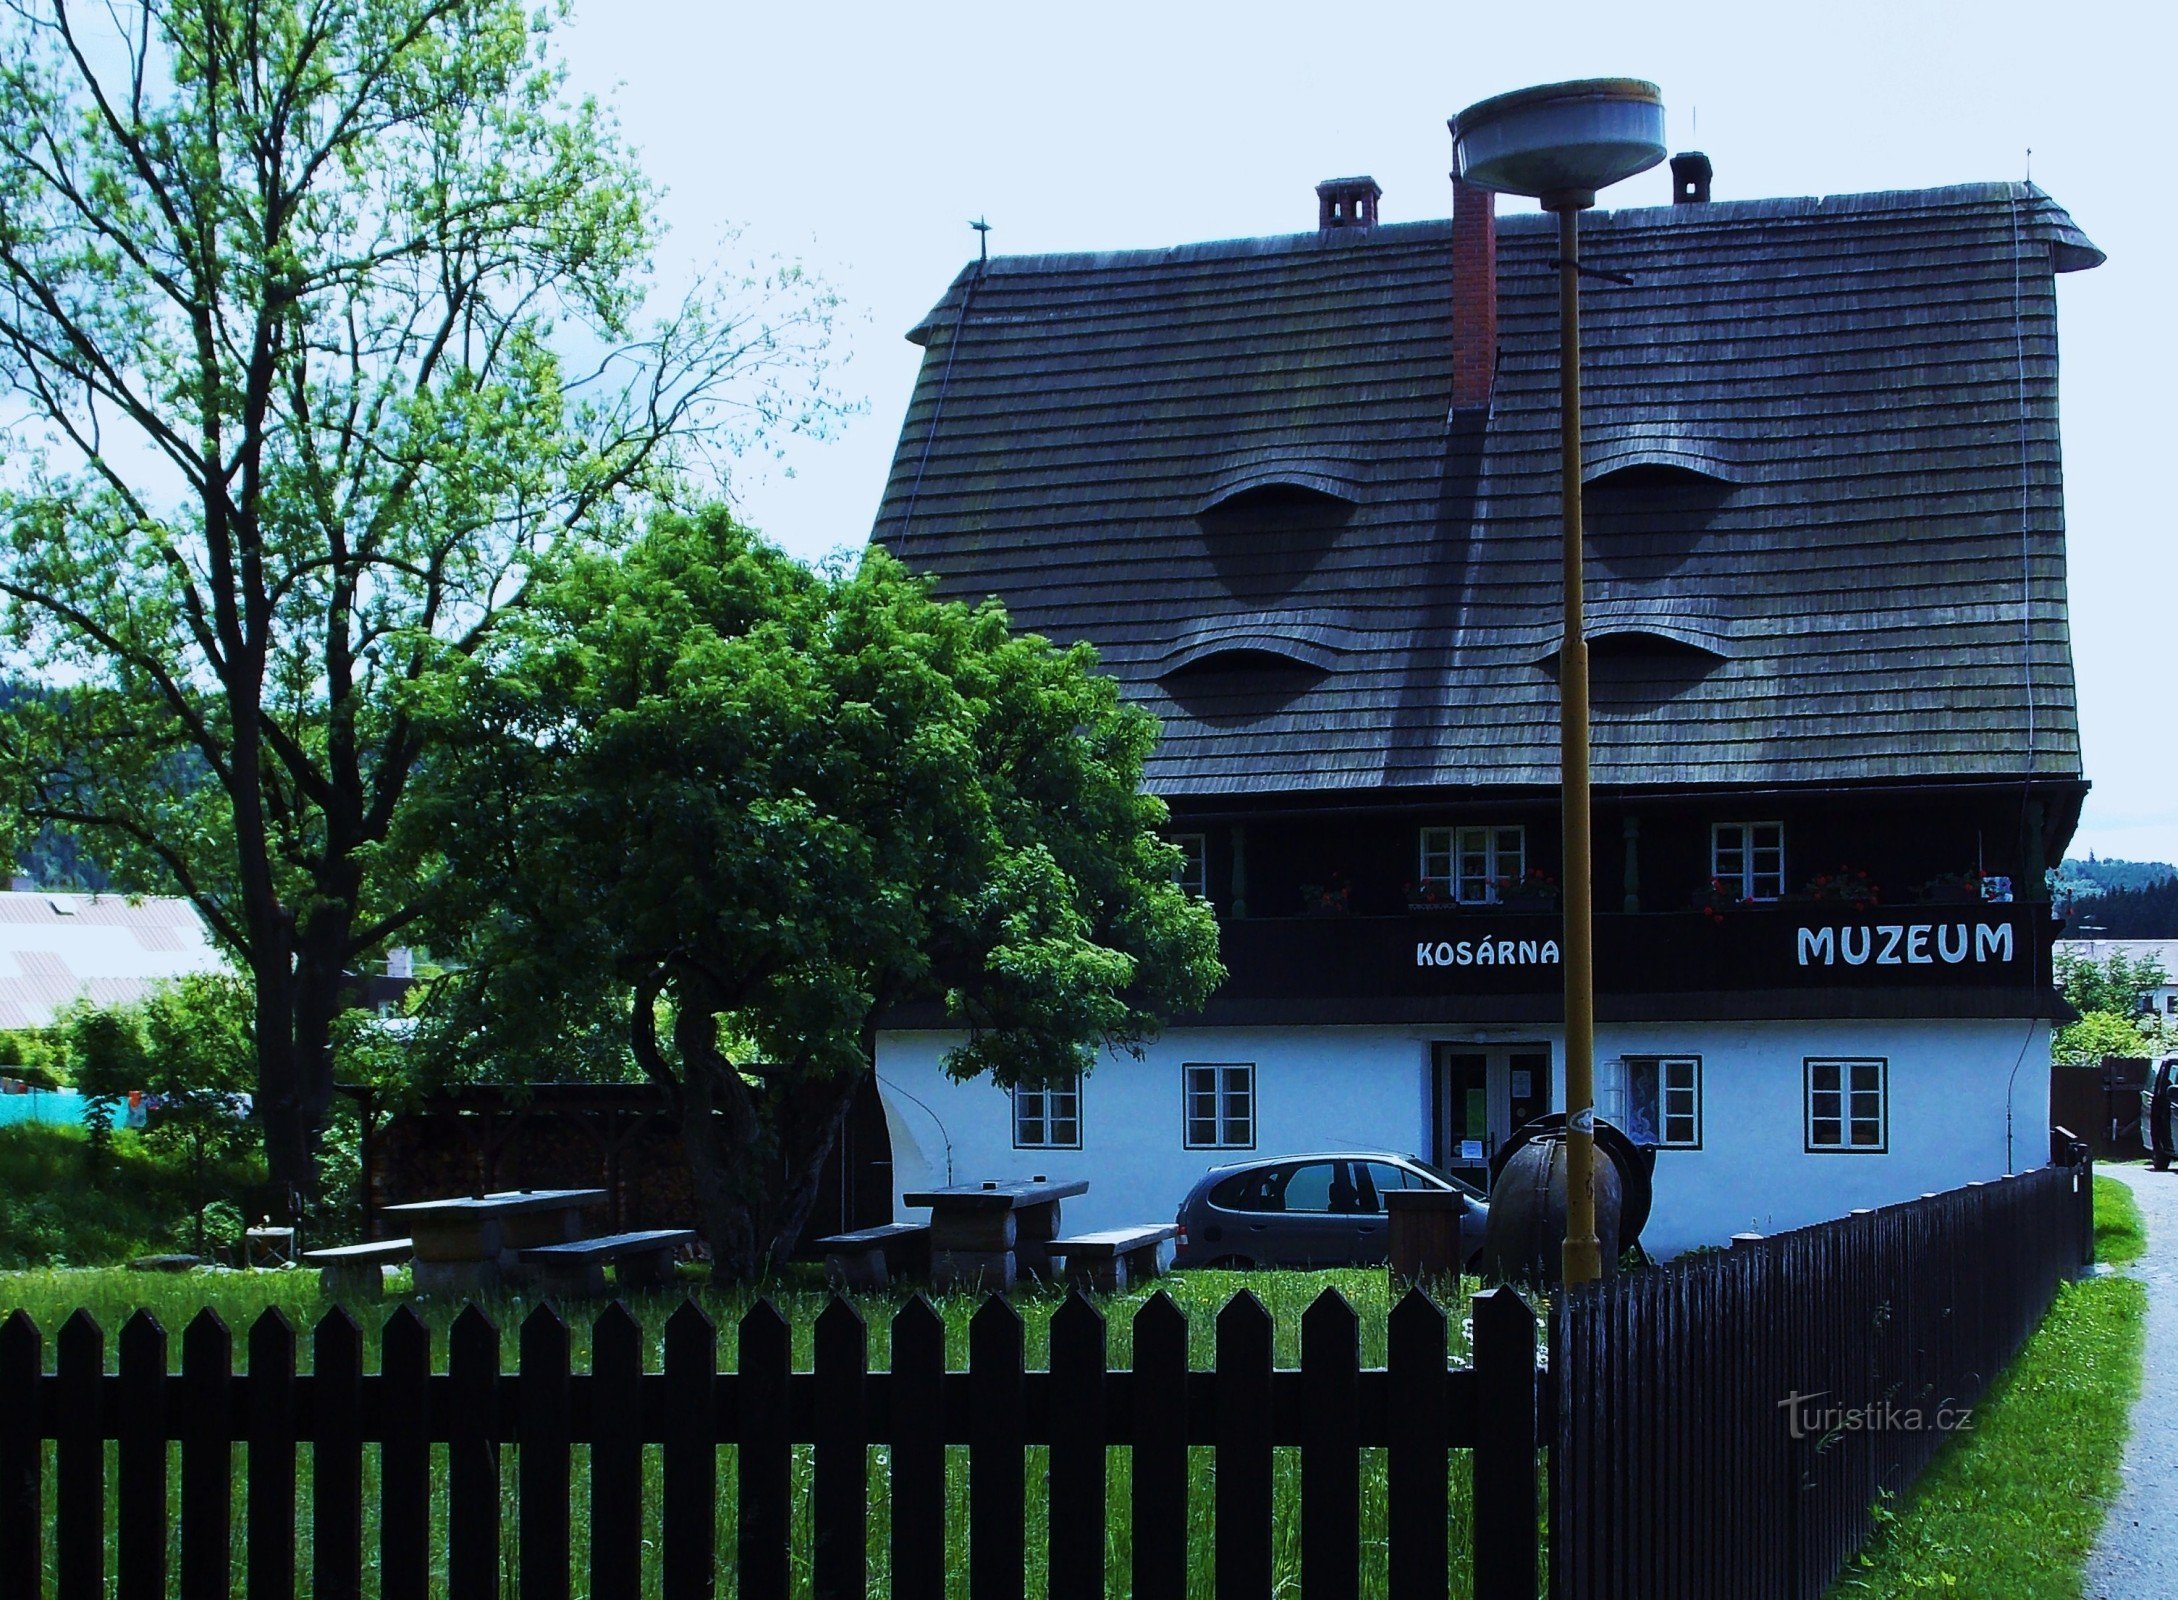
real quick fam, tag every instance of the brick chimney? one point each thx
(1347, 202)
(1474, 296)
(1690, 175)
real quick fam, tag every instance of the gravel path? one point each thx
(2137, 1556)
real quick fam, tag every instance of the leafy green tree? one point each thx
(756, 806)
(2115, 982)
(201, 1062)
(323, 320)
(106, 1045)
(2097, 1034)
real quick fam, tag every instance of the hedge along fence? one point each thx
(1677, 1470)
(1416, 1410)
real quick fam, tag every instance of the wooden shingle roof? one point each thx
(1825, 502)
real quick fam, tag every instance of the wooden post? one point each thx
(1243, 1558)
(1159, 1505)
(1505, 1447)
(997, 1463)
(1077, 1478)
(141, 1515)
(1330, 1449)
(918, 1452)
(541, 1461)
(840, 1495)
(1415, 1459)
(689, 1559)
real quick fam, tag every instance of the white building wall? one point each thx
(1369, 1088)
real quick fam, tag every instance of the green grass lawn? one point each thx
(2120, 1234)
(239, 1298)
(2011, 1510)
(57, 1205)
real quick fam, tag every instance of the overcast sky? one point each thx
(862, 137)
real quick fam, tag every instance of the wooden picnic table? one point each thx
(991, 1232)
(471, 1244)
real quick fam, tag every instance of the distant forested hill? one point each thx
(53, 860)
(2093, 876)
(2148, 912)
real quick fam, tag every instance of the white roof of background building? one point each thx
(2164, 950)
(54, 947)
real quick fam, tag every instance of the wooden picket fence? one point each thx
(1676, 1472)
(1417, 1409)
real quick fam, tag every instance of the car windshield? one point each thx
(1443, 1176)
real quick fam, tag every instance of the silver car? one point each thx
(1320, 1210)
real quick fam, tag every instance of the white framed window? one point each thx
(1048, 1116)
(1748, 858)
(1220, 1109)
(1656, 1100)
(1471, 863)
(1848, 1106)
(1193, 873)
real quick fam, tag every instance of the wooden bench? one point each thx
(578, 1267)
(870, 1258)
(358, 1271)
(1114, 1258)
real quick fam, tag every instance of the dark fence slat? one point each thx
(207, 1458)
(765, 1454)
(336, 1458)
(997, 1462)
(404, 1457)
(918, 1452)
(472, 1455)
(1077, 1478)
(616, 1456)
(689, 1543)
(1243, 1560)
(22, 1474)
(840, 1492)
(270, 1493)
(1330, 1449)
(140, 1508)
(1158, 1507)
(1417, 1490)
(542, 1459)
(1505, 1445)
(79, 1466)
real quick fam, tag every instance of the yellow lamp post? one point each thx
(1559, 144)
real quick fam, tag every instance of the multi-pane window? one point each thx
(1193, 873)
(1471, 863)
(1848, 1106)
(1048, 1116)
(1748, 858)
(1220, 1111)
(1659, 1101)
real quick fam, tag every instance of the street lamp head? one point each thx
(1561, 142)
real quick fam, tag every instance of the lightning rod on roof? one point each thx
(983, 239)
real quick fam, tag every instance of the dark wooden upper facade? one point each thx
(1826, 559)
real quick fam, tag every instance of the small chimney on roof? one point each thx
(1347, 202)
(1474, 296)
(1690, 175)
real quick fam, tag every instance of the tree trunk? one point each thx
(722, 1134)
(810, 1132)
(279, 1098)
(294, 1021)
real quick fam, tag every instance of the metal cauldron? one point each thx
(1525, 1237)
